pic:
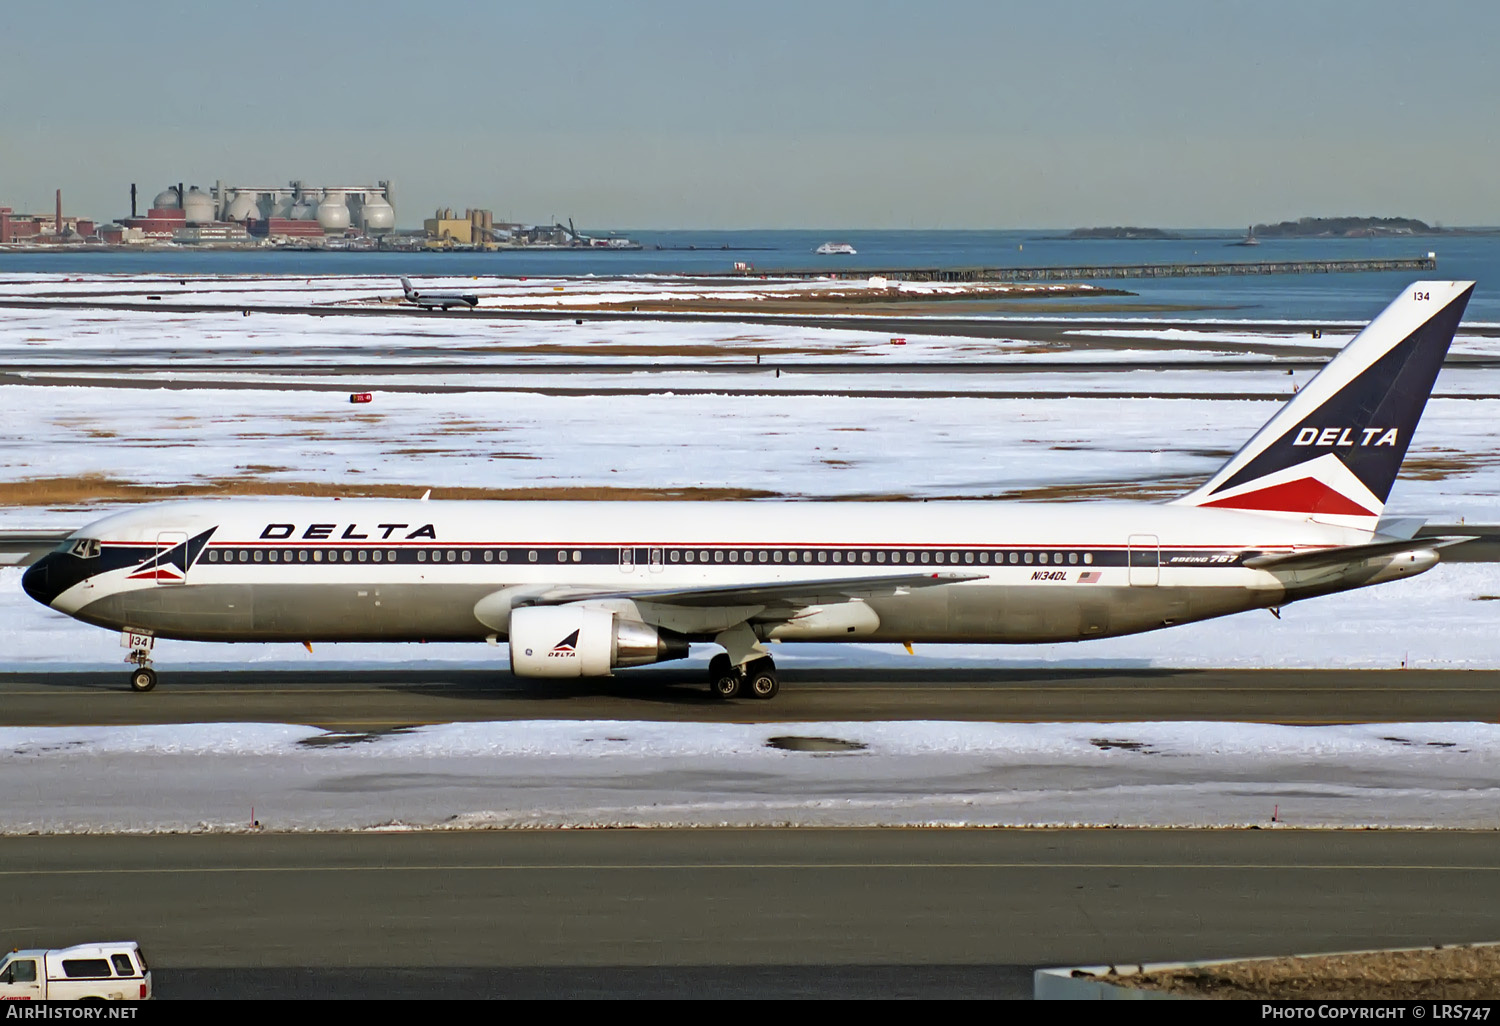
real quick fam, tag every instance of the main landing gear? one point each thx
(143, 677)
(756, 679)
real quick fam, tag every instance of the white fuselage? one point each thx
(310, 570)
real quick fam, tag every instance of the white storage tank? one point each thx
(165, 200)
(376, 215)
(242, 207)
(333, 212)
(198, 206)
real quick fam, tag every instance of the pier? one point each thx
(1093, 272)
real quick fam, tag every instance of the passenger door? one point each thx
(1144, 560)
(20, 981)
(169, 572)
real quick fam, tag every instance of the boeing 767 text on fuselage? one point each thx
(580, 588)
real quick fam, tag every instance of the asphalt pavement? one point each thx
(731, 913)
(374, 698)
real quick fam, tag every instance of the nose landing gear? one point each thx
(143, 677)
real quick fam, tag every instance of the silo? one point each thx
(198, 206)
(376, 215)
(242, 207)
(165, 200)
(333, 213)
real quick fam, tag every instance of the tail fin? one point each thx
(406, 285)
(1333, 452)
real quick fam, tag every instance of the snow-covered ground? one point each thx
(69, 335)
(822, 447)
(509, 292)
(208, 777)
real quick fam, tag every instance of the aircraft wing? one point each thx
(796, 593)
(1345, 555)
(22, 548)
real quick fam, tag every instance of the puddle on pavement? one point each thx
(1105, 744)
(791, 743)
(348, 739)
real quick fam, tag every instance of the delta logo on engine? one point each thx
(567, 648)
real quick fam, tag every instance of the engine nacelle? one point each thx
(571, 641)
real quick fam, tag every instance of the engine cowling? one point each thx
(572, 641)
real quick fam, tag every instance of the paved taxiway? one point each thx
(371, 699)
(718, 912)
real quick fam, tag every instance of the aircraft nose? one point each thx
(36, 581)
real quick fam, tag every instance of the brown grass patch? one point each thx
(1446, 463)
(1139, 490)
(1445, 973)
(728, 348)
(97, 488)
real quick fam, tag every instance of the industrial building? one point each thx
(44, 228)
(238, 213)
(477, 229)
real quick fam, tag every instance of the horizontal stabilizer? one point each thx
(22, 548)
(1346, 555)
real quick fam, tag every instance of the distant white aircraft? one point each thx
(579, 588)
(428, 300)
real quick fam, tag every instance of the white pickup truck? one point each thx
(112, 971)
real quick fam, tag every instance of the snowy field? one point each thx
(493, 291)
(208, 777)
(68, 335)
(823, 447)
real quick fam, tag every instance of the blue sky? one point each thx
(769, 113)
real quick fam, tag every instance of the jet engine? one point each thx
(572, 641)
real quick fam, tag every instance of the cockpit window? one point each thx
(85, 548)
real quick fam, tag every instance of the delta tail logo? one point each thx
(1333, 453)
(566, 648)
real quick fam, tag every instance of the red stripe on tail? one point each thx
(1305, 495)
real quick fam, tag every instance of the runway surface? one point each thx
(384, 698)
(732, 912)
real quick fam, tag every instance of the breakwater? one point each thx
(1095, 272)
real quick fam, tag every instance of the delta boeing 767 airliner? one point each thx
(579, 588)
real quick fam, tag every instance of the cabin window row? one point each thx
(865, 556)
(837, 556)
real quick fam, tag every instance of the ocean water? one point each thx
(1330, 297)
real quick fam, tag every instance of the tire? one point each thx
(762, 684)
(727, 686)
(143, 679)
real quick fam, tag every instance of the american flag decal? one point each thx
(1089, 577)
